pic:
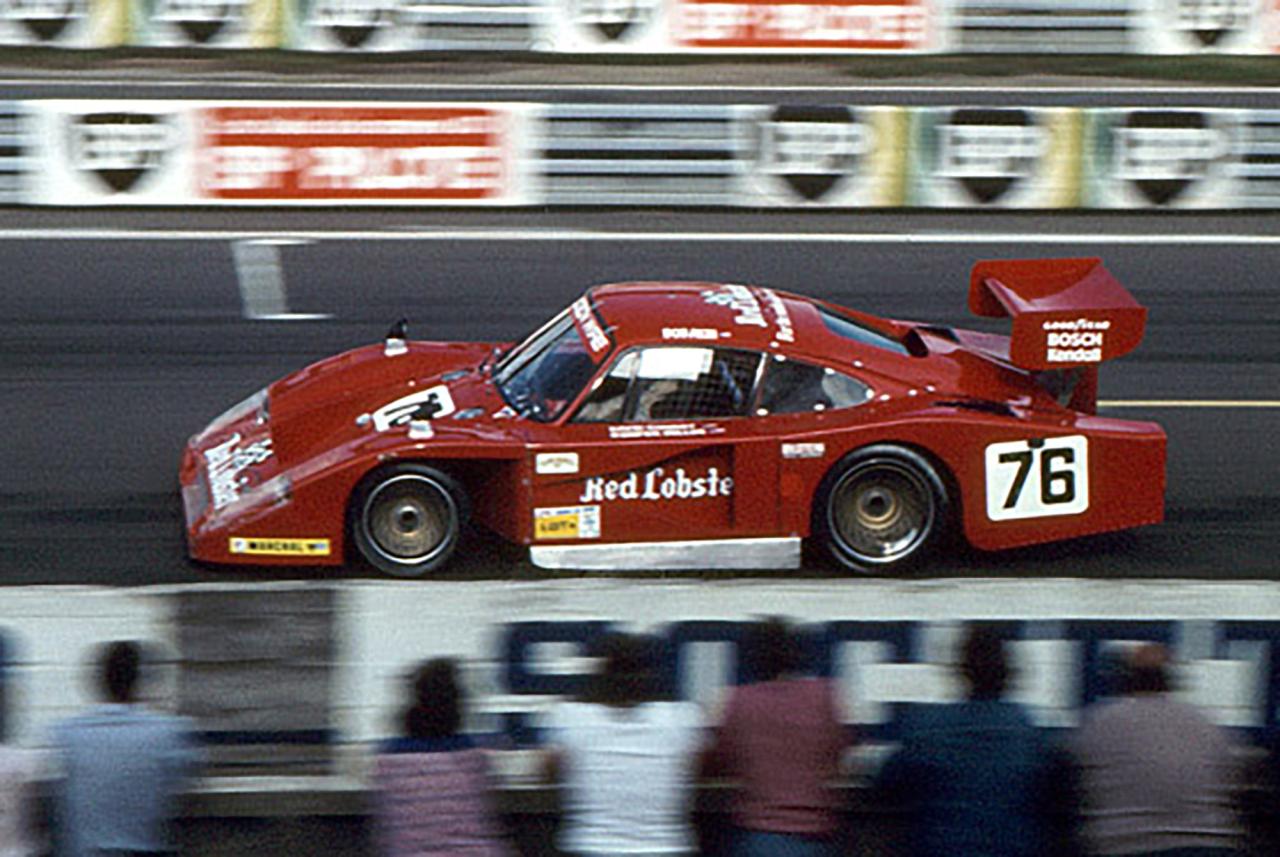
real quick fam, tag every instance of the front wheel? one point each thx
(406, 520)
(882, 510)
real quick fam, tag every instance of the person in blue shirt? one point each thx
(123, 768)
(976, 777)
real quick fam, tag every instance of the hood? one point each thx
(371, 389)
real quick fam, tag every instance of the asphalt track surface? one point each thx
(121, 333)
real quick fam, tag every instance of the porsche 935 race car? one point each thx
(695, 425)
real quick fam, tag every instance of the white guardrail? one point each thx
(214, 153)
(655, 26)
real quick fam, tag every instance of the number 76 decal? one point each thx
(1037, 478)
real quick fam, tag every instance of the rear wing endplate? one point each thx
(1066, 313)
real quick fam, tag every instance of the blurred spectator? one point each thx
(977, 777)
(19, 802)
(122, 767)
(626, 758)
(431, 788)
(782, 737)
(1156, 775)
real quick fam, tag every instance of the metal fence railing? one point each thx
(14, 148)
(639, 154)
(1257, 159)
(1044, 26)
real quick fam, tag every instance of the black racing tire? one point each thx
(884, 509)
(406, 520)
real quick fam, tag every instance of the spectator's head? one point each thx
(771, 649)
(1148, 669)
(436, 708)
(120, 664)
(983, 663)
(628, 670)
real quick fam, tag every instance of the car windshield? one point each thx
(543, 374)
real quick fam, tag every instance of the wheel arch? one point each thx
(933, 470)
(955, 496)
(451, 500)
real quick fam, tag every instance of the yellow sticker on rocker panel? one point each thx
(250, 546)
(569, 522)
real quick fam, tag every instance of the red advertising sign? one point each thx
(333, 152)
(890, 25)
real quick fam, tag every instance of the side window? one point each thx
(605, 403)
(693, 383)
(673, 383)
(792, 387)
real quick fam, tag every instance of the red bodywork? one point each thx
(270, 482)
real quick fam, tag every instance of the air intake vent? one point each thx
(983, 405)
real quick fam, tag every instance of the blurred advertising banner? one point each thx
(346, 26)
(176, 153)
(377, 26)
(1211, 26)
(824, 156)
(111, 153)
(967, 157)
(207, 23)
(64, 23)
(331, 658)
(1155, 158)
(414, 153)
(750, 26)
(853, 25)
(523, 646)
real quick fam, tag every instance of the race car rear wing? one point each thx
(1069, 315)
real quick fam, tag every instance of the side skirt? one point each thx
(780, 554)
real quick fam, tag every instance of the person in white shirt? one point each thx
(626, 759)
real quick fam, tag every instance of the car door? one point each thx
(800, 410)
(660, 449)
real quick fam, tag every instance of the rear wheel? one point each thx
(882, 510)
(407, 519)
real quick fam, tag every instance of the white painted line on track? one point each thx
(433, 86)
(394, 233)
(261, 281)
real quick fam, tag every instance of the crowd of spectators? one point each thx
(1144, 774)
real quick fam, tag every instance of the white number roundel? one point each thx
(1037, 478)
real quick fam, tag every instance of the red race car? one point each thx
(695, 425)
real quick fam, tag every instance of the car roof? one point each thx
(730, 315)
